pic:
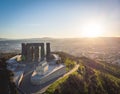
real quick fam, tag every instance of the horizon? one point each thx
(59, 19)
(60, 38)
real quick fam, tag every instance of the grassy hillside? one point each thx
(92, 77)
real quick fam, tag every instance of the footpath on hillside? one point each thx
(68, 73)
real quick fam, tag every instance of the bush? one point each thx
(7, 86)
(70, 64)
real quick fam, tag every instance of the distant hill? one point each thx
(92, 77)
(3, 39)
(44, 38)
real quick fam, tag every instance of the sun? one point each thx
(92, 29)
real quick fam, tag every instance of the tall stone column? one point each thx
(36, 53)
(47, 50)
(42, 52)
(28, 53)
(31, 53)
(24, 50)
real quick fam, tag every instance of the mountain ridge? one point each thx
(92, 77)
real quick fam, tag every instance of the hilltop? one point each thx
(92, 77)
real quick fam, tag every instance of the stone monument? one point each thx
(35, 51)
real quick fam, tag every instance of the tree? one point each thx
(7, 86)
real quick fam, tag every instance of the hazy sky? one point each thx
(57, 18)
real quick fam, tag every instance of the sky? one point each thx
(58, 18)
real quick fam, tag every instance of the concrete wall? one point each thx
(18, 76)
(47, 78)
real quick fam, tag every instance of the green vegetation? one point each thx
(55, 85)
(67, 59)
(7, 86)
(23, 58)
(70, 64)
(92, 77)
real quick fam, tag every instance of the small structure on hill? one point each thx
(42, 67)
(35, 51)
(46, 71)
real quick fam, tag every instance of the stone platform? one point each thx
(54, 71)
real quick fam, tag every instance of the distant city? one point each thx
(103, 49)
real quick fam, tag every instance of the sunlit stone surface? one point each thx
(45, 72)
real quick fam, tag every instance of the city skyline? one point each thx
(59, 18)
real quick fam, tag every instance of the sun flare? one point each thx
(92, 29)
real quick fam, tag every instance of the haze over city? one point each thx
(59, 18)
